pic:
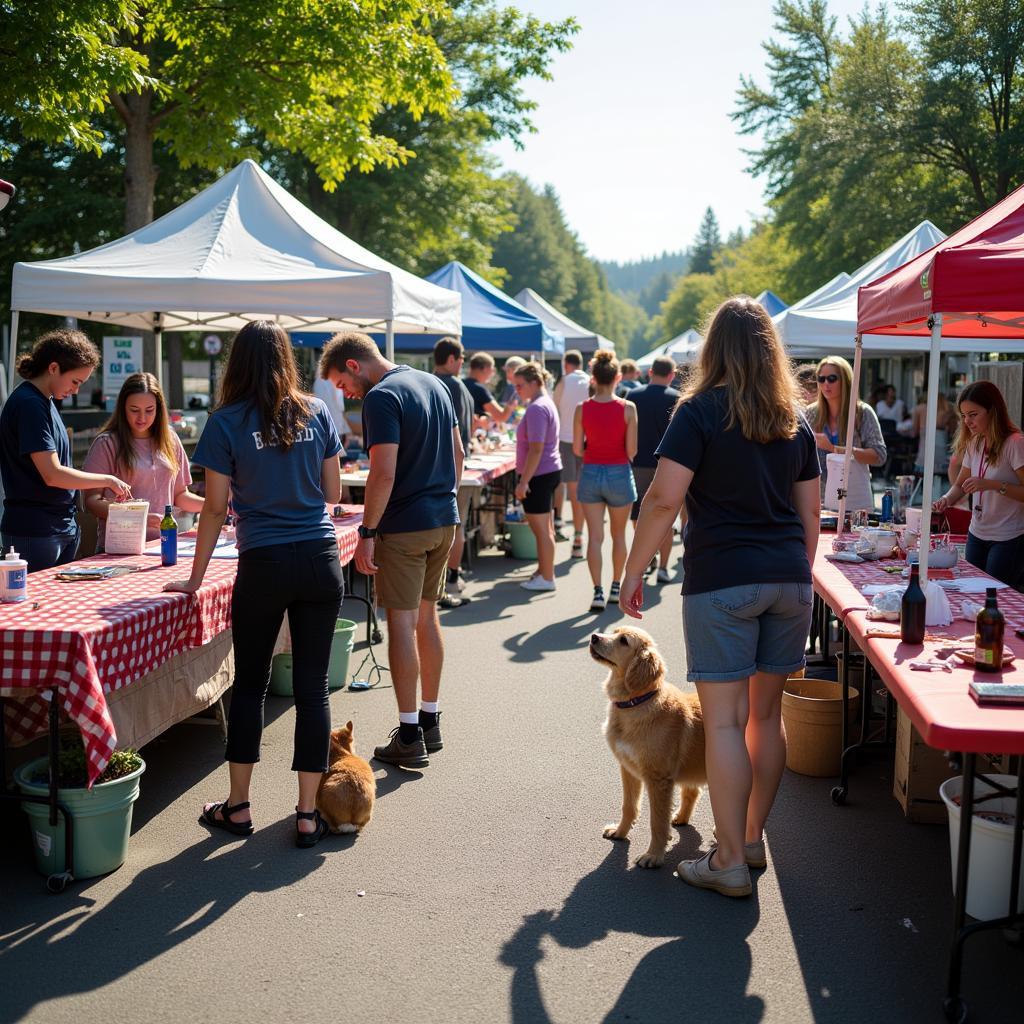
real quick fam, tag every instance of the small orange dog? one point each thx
(346, 794)
(656, 733)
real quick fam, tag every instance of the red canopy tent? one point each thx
(969, 285)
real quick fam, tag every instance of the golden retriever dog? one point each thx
(656, 733)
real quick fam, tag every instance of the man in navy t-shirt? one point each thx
(654, 404)
(409, 519)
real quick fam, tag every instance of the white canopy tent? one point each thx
(685, 347)
(243, 249)
(825, 322)
(575, 336)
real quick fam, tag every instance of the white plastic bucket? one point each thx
(988, 874)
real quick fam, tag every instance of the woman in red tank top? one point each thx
(604, 436)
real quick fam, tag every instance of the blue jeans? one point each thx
(612, 485)
(44, 552)
(1003, 560)
(756, 627)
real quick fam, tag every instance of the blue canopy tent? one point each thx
(491, 321)
(771, 302)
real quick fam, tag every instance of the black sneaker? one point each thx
(598, 603)
(613, 592)
(432, 737)
(405, 755)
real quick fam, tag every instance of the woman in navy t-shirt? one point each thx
(35, 453)
(276, 448)
(742, 456)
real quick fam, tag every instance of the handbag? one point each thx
(126, 527)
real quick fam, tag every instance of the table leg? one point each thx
(839, 792)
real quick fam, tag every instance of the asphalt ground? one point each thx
(482, 890)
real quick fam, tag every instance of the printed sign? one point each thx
(121, 358)
(212, 344)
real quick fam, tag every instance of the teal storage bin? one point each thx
(524, 544)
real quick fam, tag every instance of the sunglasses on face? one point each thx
(828, 378)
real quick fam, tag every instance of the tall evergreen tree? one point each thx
(706, 244)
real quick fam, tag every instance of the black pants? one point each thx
(304, 580)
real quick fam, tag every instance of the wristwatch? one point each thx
(1002, 490)
(367, 532)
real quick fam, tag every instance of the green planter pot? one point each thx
(102, 819)
(524, 544)
(337, 669)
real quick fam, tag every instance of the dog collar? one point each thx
(632, 702)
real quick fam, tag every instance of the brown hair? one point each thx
(1000, 426)
(818, 410)
(120, 431)
(663, 366)
(445, 349)
(70, 350)
(261, 370)
(807, 375)
(482, 361)
(574, 357)
(605, 367)
(743, 354)
(344, 346)
(534, 373)
(629, 366)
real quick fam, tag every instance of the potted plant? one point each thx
(102, 815)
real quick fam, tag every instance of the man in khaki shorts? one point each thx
(409, 521)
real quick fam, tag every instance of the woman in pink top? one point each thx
(604, 436)
(137, 443)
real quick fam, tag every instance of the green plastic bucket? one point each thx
(337, 669)
(524, 544)
(102, 817)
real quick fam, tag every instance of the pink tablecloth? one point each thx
(85, 639)
(938, 703)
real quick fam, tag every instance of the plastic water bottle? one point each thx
(13, 578)
(887, 509)
(168, 538)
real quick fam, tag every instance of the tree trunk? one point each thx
(139, 171)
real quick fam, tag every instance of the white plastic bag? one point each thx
(858, 493)
(126, 527)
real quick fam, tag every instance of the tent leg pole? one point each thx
(929, 444)
(158, 344)
(851, 423)
(12, 352)
(389, 350)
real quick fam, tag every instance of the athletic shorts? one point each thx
(540, 498)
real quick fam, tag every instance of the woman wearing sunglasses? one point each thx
(828, 418)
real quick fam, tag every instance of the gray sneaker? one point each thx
(727, 881)
(405, 755)
(432, 737)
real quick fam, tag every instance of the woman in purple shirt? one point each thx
(539, 467)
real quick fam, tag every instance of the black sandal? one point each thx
(307, 839)
(236, 828)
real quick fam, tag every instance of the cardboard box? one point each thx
(919, 771)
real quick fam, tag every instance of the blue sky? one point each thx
(634, 131)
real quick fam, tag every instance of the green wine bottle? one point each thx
(168, 538)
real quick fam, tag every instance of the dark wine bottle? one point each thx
(988, 635)
(912, 609)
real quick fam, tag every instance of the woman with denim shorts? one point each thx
(741, 454)
(604, 437)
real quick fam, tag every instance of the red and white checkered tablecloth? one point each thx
(88, 638)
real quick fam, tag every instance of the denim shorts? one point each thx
(612, 485)
(756, 627)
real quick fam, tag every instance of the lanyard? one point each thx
(982, 470)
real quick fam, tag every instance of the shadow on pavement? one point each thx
(679, 980)
(60, 947)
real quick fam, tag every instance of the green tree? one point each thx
(682, 308)
(706, 244)
(310, 77)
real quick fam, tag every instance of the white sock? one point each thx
(409, 717)
(430, 707)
